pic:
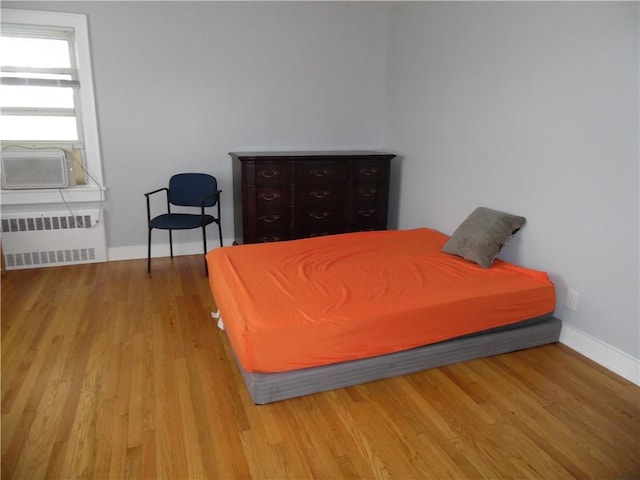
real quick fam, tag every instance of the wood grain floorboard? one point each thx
(110, 373)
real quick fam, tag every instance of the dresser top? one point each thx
(311, 155)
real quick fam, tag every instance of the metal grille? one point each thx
(50, 257)
(32, 224)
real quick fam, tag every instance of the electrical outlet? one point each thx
(572, 299)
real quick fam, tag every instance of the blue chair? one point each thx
(187, 190)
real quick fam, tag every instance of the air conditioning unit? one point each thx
(42, 168)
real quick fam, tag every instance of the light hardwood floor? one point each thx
(110, 373)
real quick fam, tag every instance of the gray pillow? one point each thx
(481, 236)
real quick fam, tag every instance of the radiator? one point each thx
(33, 239)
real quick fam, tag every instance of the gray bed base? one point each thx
(272, 387)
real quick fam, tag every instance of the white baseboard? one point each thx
(135, 252)
(602, 353)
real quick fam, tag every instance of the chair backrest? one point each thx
(187, 189)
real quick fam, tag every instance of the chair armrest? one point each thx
(156, 191)
(148, 194)
(216, 194)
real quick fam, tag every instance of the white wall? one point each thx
(532, 108)
(181, 84)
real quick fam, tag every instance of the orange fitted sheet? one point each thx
(305, 303)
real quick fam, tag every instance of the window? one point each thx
(46, 94)
(38, 92)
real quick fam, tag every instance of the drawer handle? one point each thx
(319, 215)
(319, 173)
(320, 194)
(369, 171)
(269, 218)
(269, 173)
(269, 196)
(370, 192)
(367, 213)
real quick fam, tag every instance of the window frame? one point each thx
(86, 113)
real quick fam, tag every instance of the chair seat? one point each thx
(180, 221)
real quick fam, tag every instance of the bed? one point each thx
(310, 315)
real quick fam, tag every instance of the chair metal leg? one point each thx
(204, 243)
(220, 232)
(149, 253)
(171, 243)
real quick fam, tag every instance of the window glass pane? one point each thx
(36, 97)
(25, 127)
(34, 52)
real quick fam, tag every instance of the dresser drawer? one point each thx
(270, 219)
(371, 171)
(272, 197)
(365, 214)
(272, 173)
(365, 218)
(253, 236)
(320, 195)
(321, 231)
(321, 173)
(264, 237)
(320, 218)
(365, 228)
(368, 194)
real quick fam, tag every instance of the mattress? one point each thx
(307, 303)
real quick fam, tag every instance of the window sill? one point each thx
(84, 193)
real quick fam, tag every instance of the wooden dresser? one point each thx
(291, 195)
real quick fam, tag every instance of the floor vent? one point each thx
(31, 240)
